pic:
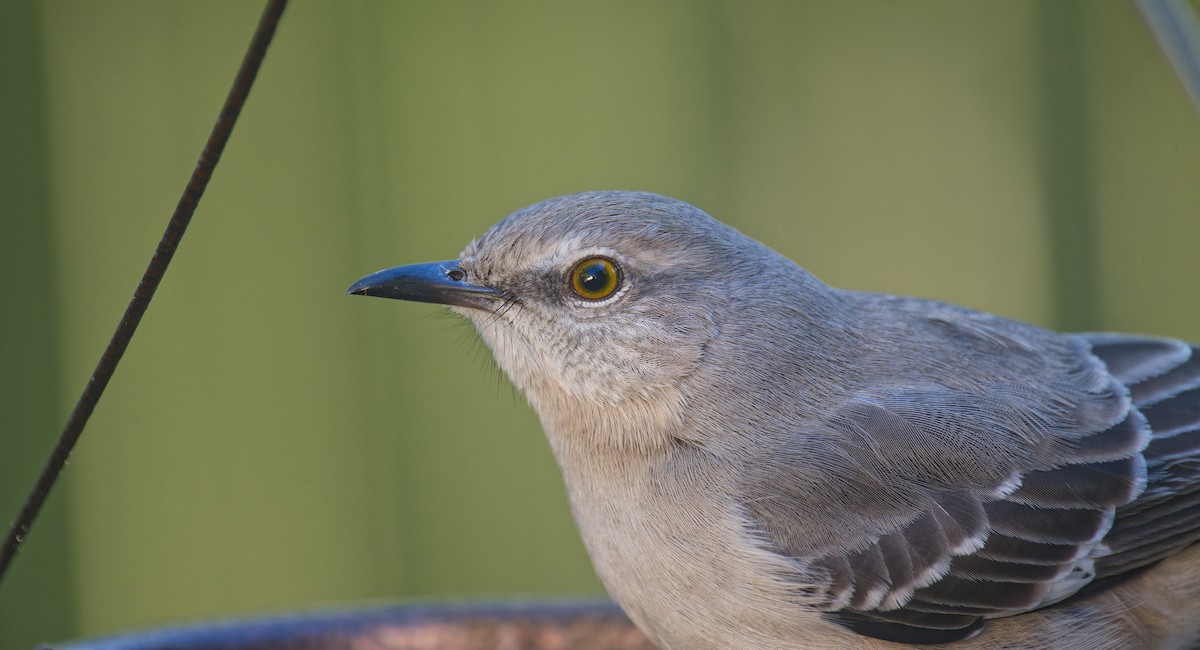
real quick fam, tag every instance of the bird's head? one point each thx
(592, 303)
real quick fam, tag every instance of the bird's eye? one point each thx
(595, 278)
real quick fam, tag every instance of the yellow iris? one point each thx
(595, 278)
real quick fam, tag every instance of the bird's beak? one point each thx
(443, 283)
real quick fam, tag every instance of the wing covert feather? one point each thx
(1002, 500)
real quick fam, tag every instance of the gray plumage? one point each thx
(757, 460)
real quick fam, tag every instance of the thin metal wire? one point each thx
(202, 173)
(1177, 29)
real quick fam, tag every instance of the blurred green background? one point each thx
(270, 444)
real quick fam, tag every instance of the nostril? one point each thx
(456, 274)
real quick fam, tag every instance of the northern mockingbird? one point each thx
(756, 460)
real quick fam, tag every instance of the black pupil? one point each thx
(594, 277)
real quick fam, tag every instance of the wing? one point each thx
(1165, 387)
(964, 502)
